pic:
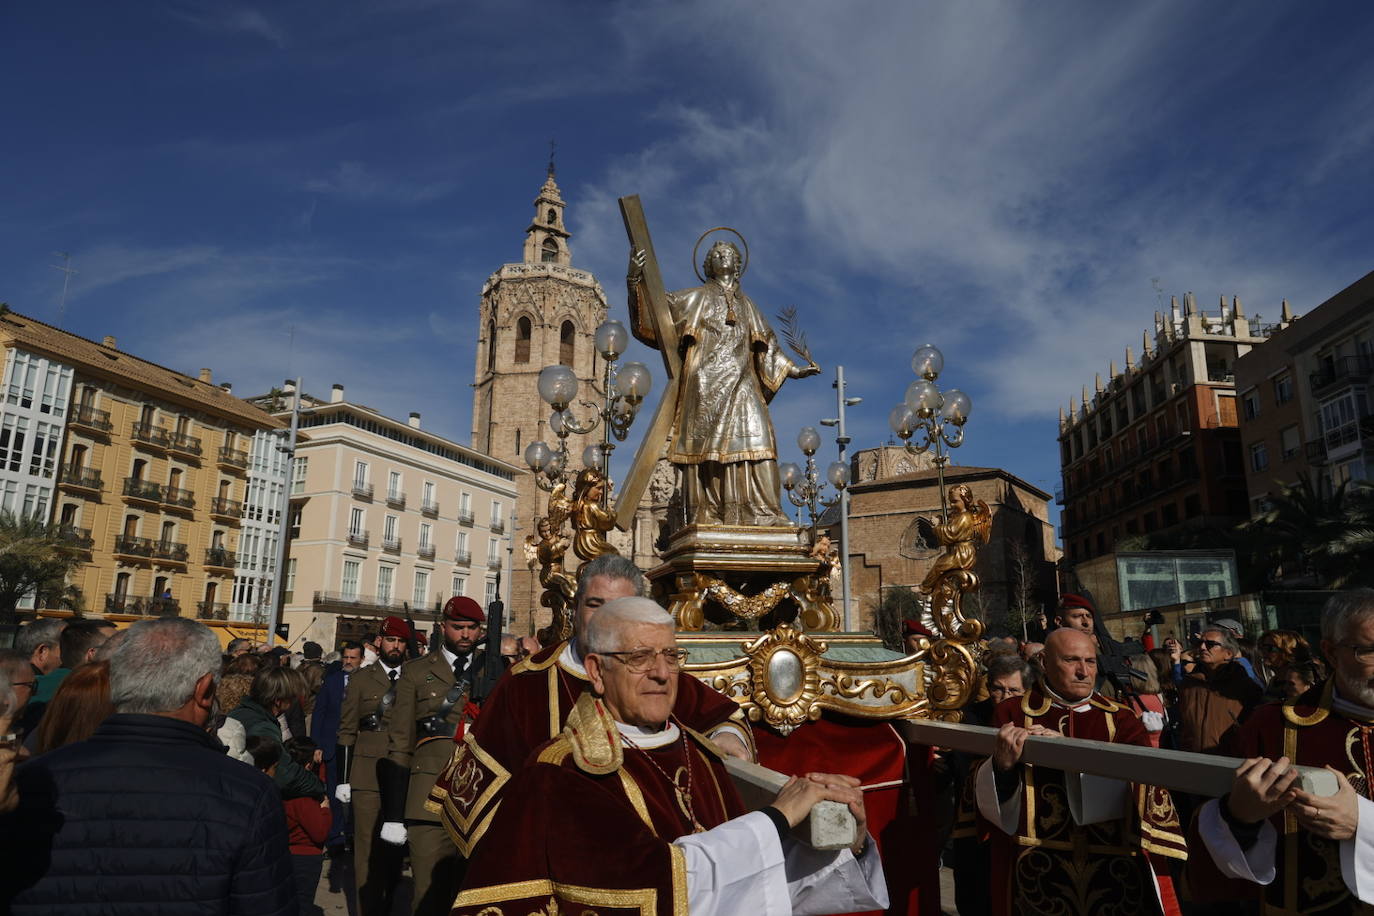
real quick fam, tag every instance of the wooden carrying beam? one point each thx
(1198, 774)
(830, 824)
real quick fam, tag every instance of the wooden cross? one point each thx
(656, 297)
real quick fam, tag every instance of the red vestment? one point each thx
(1309, 732)
(530, 706)
(588, 825)
(1054, 865)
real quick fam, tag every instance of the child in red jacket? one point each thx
(307, 819)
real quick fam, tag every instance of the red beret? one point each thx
(395, 627)
(461, 607)
(912, 627)
(1069, 599)
(421, 638)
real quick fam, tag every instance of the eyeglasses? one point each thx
(1010, 691)
(1363, 653)
(641, 660)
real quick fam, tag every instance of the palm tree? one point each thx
(33, 558)
(1309, 532)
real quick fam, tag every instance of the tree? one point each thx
(897, 604)
(1024, 607)
(33, 558)
(1309, 532)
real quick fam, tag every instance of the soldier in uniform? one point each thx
(367, 705)
(432, 708)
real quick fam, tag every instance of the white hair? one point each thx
(603, 630)
(7, 698)
(156, 667)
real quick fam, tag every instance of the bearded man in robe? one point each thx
(732, 365)
(1300, 853)
(532, 703)
(1073, 844)
(628, 811)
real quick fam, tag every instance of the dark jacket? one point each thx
(293, 781)
(148, 815)
(324, 721)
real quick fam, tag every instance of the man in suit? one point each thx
(432, 707)
(324, 728)
(367, 706)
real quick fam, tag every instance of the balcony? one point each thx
(75, 477)
(226, 508)
(171, 551)
(184, 444)
(431, 509)
(465, 517)
(233, 458)
(177, 498)
(463, 557)
(1317, 449)
(90, 418)
(391, 545)
(149, 435)
(498, 525)
(130, 546)
(78, 538)
(212, 610)
(141, 606)
(493, 562)
(221, 558)
(1344, 369)
(357, 539)
(396, 500)
(134, 488)
(1059, 495)
(352, 601)
(362, 490)
(426, 551)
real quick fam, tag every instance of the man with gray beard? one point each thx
(1301, 853)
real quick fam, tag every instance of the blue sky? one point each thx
(1001, 179)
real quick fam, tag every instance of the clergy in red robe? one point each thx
(531, 705)
(630, 812)
(1073, 844)
(1300, 853)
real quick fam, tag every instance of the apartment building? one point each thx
(1158, 443)
(1306, 408)
(385, 515)
(144, 468)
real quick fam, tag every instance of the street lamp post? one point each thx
(623, 388)
(842, 440)
(929, 411)
(804, 487)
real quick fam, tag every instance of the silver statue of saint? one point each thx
(732, 365)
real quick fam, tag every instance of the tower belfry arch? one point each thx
(533, 313)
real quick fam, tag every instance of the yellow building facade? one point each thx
(146, 471)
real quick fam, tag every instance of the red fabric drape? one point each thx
(876, 754)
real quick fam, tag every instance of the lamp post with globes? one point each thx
(804, 487)
(623, 388)
(930, 411)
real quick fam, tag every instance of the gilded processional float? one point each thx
(751, 591)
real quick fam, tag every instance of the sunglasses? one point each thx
(1209, 644)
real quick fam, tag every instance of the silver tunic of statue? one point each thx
(732, 365)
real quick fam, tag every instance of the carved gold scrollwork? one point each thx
(784, 670)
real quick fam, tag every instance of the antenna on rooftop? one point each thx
(67, 270)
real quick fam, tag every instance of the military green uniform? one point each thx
(363, 727)
(421, 694)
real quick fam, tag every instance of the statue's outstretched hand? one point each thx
(805, 371)
(635, 272)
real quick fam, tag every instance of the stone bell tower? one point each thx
(535, 313)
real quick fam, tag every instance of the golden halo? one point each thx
(696, 265)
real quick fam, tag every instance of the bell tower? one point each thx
(539, 312)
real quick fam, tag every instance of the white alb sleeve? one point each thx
(736, 867)
(1254, 864)
(1005, 814)
(1357, 854)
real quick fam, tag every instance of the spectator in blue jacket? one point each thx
(149, 815)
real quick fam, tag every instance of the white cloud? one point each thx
(225, 18)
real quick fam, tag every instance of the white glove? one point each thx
(344, 793)
(394, 833)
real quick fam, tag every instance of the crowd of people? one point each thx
(149, 769)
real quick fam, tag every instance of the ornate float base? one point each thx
(742, 578)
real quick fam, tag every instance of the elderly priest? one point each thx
(1074, 845)
(629, 811)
